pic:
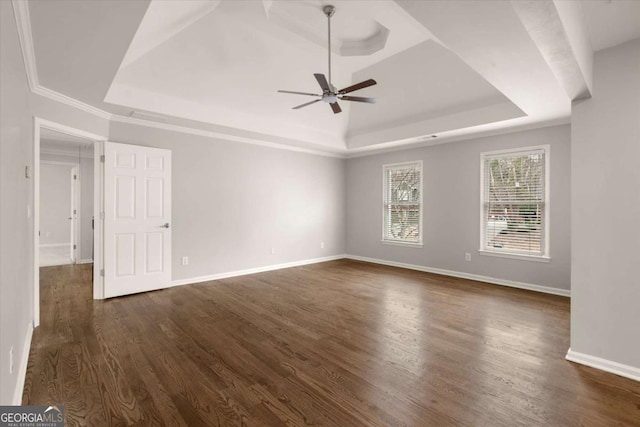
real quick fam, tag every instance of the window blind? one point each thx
(402, 202)
(514, 202)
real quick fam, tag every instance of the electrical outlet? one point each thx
(48, 234)
(321, 245)
(11, 360)
(185, 260)
(273, 251)
(467, 256)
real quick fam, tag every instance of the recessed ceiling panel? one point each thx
(218, 65)
(426, 89)
(226, 67)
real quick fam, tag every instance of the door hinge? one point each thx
(102, 158)
(75, 176)
(102, 272)
(74, 247)
(74, 211)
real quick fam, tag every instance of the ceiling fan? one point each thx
(329, 93)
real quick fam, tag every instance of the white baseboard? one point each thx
(485, 279)
(54, 264)
(200, 279)
(82, 261)
(604, 365)
(476, 277)
(22, 369)
(55, 245)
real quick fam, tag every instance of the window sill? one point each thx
(398, 243)
(534, 258)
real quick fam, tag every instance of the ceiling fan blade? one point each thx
(335, 107)
(322, 81)
(307, 103)
(358, 86)
(358, 99)
(299, 93)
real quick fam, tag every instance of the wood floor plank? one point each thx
(342, 343)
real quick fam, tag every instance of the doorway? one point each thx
(66, 199)
(61, 210)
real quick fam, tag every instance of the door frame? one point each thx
(75, 205)
(76, 212)
(98, 185)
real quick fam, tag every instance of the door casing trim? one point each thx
(98, 284)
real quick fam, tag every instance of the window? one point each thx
(402, 203)
(515, 202)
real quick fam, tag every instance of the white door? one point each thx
(137, 219)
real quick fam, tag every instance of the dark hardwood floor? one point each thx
(342, 343)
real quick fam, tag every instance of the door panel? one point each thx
(137, 195)
(154, 256)
(154, 198)
(125, 197)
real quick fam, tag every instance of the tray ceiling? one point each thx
(445, 67)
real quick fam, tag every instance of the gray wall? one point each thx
(605, 144)
(451, 216)
(86, 200)
(16, 306)
(55, 204)
(17, 108)
(233, 202)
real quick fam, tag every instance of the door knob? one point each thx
(165, 225)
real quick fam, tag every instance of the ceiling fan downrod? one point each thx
(329, 10)
(330, 94)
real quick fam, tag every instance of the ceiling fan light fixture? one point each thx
(330, 95)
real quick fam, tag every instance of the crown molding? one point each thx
(25, 35)
(64, 99)
(393, 146)
(23, 22)
(224, 136)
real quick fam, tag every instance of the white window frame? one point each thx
(399, 242)
(484, 250)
